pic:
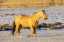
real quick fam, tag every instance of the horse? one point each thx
(30, 21)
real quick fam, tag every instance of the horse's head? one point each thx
(43, 14)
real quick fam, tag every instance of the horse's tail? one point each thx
(13, 28)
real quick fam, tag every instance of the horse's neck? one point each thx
(36, 17)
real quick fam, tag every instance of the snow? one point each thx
(42, 36)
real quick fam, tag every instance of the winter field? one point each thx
(54, 13)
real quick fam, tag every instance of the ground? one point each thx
(42, 36)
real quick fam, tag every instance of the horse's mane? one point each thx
(22, 14)
(43, 10)
(37, 12)
(33, 14)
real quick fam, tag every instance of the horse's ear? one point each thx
(43, 10)
(35, 12)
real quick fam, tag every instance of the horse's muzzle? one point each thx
(46, 18)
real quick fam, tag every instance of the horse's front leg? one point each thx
(33, 32)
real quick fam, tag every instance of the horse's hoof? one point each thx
(20, 37)
(28, 35)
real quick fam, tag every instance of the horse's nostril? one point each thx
(47, 18)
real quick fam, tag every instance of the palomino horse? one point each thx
(28, 21)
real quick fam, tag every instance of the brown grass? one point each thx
(30, 3)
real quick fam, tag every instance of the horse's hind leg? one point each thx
(13, 29)
(17, 30)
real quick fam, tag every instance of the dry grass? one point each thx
(30, 3)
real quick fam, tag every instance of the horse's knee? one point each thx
(34, 35)
(34, 31)
(17, 33)
(17, 30)
(12, 32)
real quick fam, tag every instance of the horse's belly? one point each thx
(25, 24)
